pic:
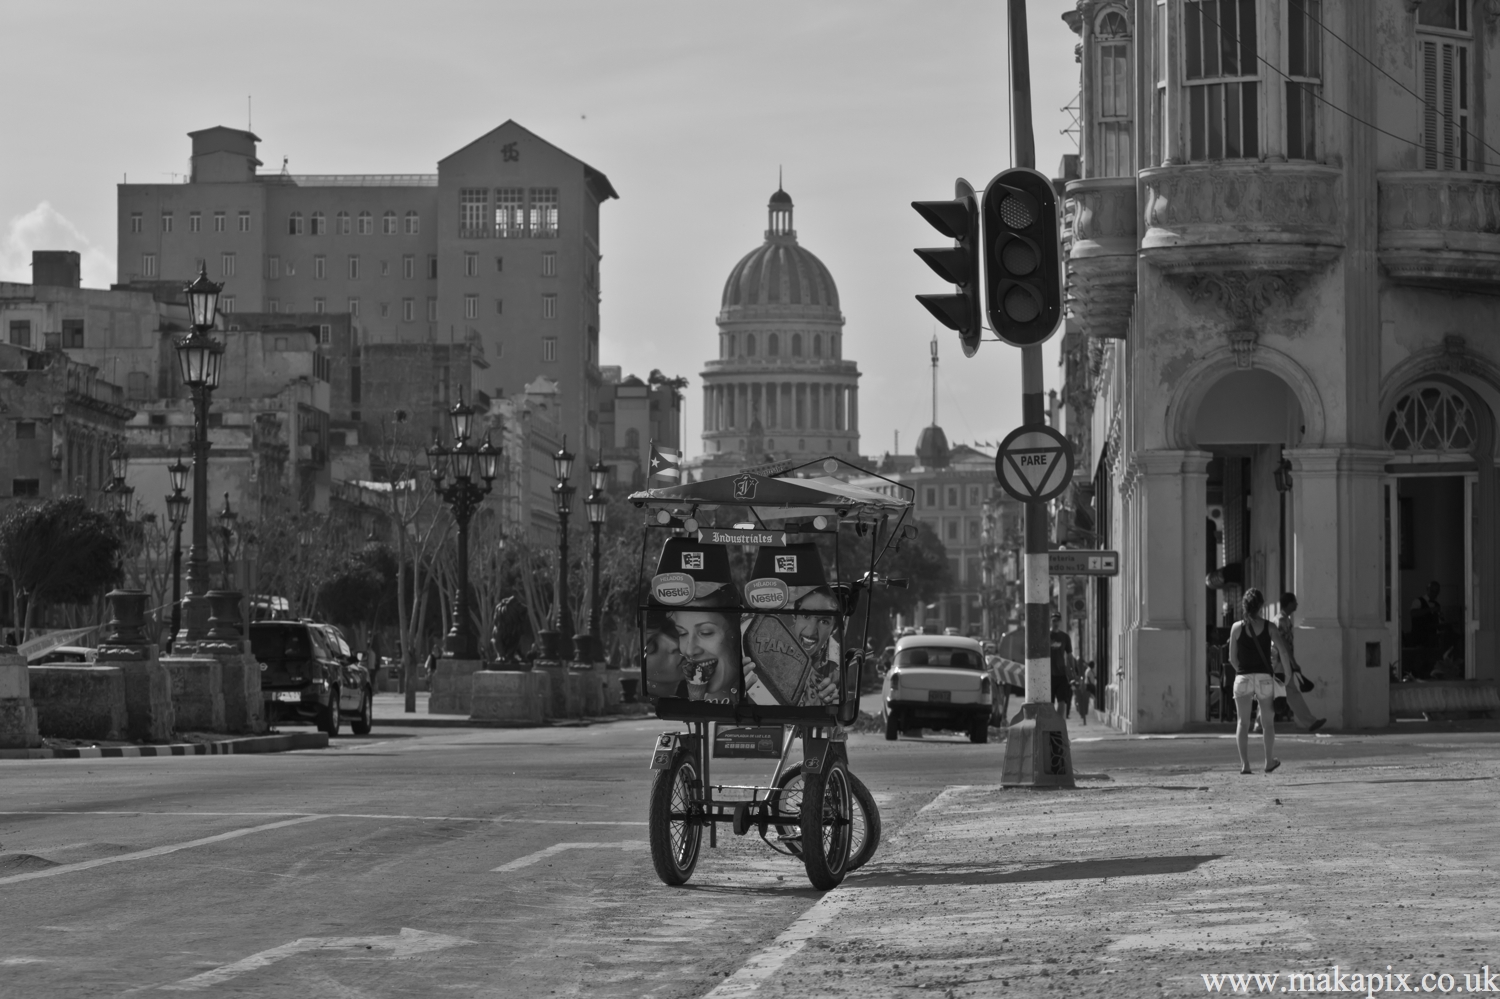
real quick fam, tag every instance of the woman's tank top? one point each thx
(1255, 650)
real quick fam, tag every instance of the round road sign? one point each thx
(1034, 464)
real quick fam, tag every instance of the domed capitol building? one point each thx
(780, 387)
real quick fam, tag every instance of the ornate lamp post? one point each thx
(464, 496)
(596, 506)
(562, 496)
(199, 356)
(177, 512)
(119, 493)
(227, 520)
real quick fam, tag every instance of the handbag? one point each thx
(1304, 684)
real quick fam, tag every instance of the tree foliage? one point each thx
(59, 552)
(360, 589)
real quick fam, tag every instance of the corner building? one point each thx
(1285, 264)
(780, 387)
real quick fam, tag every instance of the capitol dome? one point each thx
(779, 275)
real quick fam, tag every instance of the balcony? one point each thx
(1205, 218)
(1441, 230)
(1102, 259)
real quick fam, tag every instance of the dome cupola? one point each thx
(779, 277)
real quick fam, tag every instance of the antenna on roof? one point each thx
(934, 349)
(284, 171)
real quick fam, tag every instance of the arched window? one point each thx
(796, 344)
(837, 352)
(294, 224)
(773, 344)
(749, 344)
(412, 223)
(1112, 143)
(731, 345)
(341, 221)
(366, 224)
(319, 224)
(817, 345)
(388, 223)
(1431, 418)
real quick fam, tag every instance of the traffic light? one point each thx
(1023, 257)
(958, 265)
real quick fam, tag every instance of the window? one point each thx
(320, 266)
(388, 223)
(25, 430)
(25, 487)
(471, 306)
(510, 212)
(320, 305)
(952, 531)
(148, 265)
(135, 222)
(273, 267)
(974, 496)
(20, 332)
(472, 204)
(1432, 418)
(408, 266)
(1443, 81)
(408, 310)
(749, 344)
(471, 265)
(319, 224)
(773, 344)
(354, 384)
(499, 265)
(549, 265)
(353, 267)
(499, 306)
(294, 224)
(549, 348)
(549, 306)
(354, 307)
(931, 496)
(432, 266)
(1222, 74)
(366, 224)
(72, 334)
(220, 224)
(796, 344)
(226, 264)
(431, 310)
(166, 221)
(385, 310)
(341, 223)
(817, 345)
(544, 211)
(195, 221)
(1112, 150)
(244, 221)
(412, 223)
(226, 303)
(1304, 57)
(273, 305)
(953, 497)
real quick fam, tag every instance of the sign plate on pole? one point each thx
(1074, 562)
(1034, 464)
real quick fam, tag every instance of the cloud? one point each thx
(45, 228)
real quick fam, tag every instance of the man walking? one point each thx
(1062, 652)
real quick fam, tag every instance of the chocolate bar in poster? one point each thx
(780, 662)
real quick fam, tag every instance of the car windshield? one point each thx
(940, 656)
(279, 642)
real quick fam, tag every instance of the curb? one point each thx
(253, 744)
(427, 721)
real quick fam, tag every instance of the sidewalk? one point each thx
(1141, 882)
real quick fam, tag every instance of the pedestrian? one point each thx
(1291, 669)
(1083, 692)
(1250, 643)
(1062, 652)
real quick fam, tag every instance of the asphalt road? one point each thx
(441, 862)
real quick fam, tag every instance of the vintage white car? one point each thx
(939, 682)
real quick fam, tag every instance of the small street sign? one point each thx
(1073, 562)
(1034, 464)
(724, 536)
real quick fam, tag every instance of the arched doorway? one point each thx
(1439, 501)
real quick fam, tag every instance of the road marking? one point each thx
(352, 815)
(407, 943)
(551, 851)
(155, 851)
(767, 962)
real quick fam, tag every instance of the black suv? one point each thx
(307, 673)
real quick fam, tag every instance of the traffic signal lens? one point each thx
(1018, 211)
(1021, 304)
(1018, 258)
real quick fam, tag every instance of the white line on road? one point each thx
(551, 851)
(763, 965)
(407, 943)
(155, 851)
(350, 815)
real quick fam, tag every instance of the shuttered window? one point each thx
(1304, 58)
(1222, 72)
(1444, 66)
(1113, 151)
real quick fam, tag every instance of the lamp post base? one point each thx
(1037, 752)
(196, 612)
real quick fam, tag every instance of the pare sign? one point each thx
(1034, 464)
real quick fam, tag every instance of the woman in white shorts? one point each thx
(1250, 642)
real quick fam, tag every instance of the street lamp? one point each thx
(199, 357)
(177, 513)
(227, 520)
(463, 459)
(596, 506)
(119, 493)
(562, 496)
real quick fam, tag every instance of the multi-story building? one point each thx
(632, 414)
(497, 250)
(780, 387)
(1286, 261)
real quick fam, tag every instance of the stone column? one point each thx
(708, 407)
(854, 409)
(18, 728)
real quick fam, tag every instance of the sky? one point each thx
(690, 108)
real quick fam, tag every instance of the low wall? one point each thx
(18, 725)
(148, 697)
(511, 698)
(453, 686)
(197, 686)
(244, 712)
(1422, 696)
(79, 702)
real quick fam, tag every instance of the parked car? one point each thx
(63, 655)
(939, 682)
(307, 673)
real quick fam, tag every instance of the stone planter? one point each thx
(125, 635)
(547, 644)
(224, 618)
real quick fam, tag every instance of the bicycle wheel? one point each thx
(864, 829)
(827, 805)
(675, 837)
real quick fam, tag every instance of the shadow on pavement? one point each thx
(914, 875)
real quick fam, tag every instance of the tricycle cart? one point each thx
(753, 668)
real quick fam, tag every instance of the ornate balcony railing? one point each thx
(1441, 230)
(1102, 257)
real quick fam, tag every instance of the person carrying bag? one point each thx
(1250, 644)
(1296, 683)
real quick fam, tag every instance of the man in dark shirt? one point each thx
(1062, 648)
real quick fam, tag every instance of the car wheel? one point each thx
(891, 730)
(366, 719)
(330, 720)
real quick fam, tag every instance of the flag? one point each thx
(665, 461)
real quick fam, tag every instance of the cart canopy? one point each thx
(771, 494)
